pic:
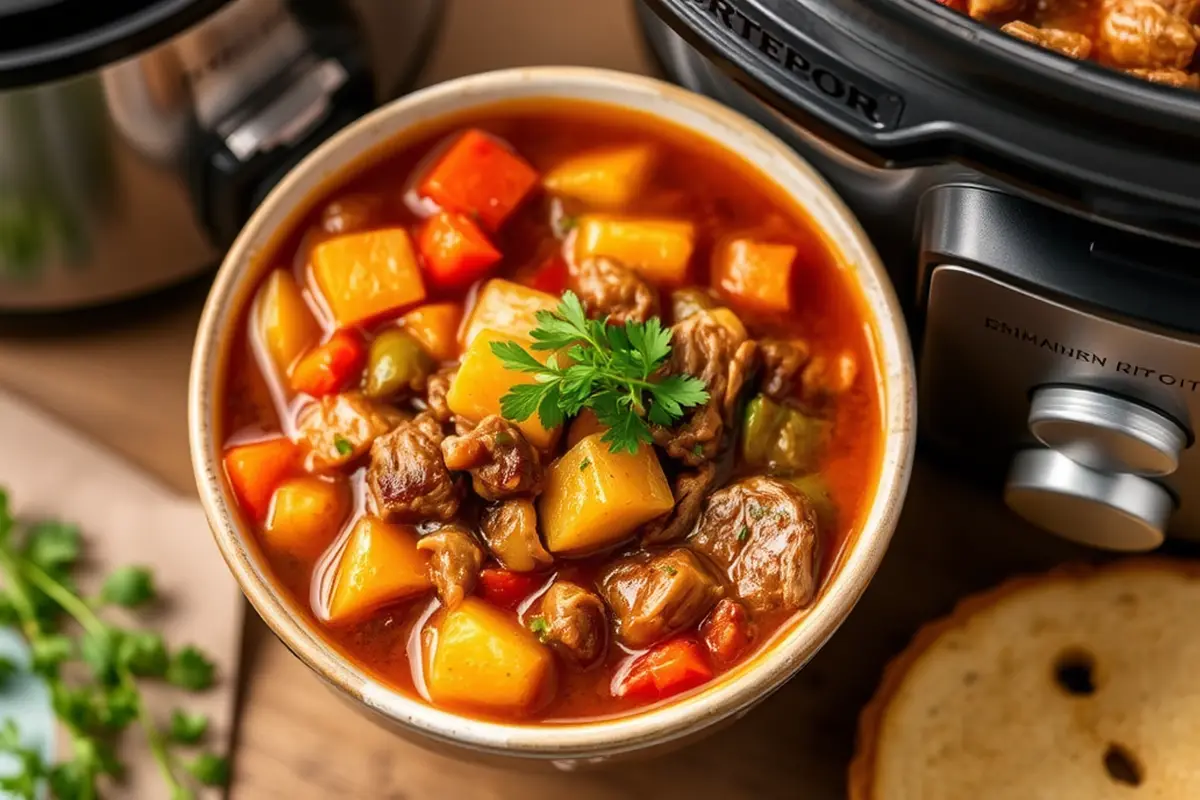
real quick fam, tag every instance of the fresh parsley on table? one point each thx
(615, 370)
(37, 597)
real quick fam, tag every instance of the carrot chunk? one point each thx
(330, 367)
(758, 274)
(481, 177)
(666, 669)
(456, 252)
(363, 276)
(254, 470)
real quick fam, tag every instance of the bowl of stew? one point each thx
(552, 413)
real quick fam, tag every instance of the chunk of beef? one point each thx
(510, 530)
(341, 427)
(1168, 77)
(690, 489)
(782, 362)
(501, 462)
(982, 9)
(407, 480)
(608, 287)
(763, 533)
(1069, 43)
(825, 378)
(436, 390)
(454, 563)
(1143, 34)
(576, 623)
(685, 302)
(657, 595)
(712, 346)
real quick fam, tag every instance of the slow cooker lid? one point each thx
(46, 40)
(949, 90)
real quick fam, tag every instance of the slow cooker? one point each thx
(137, 135)
(1041, 216)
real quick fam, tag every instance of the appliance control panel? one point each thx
(1095, 415)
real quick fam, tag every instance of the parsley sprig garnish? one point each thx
(615, 370)
(37, 596)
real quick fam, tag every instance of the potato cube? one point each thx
(305, 516)
(484, 658)
(659, 249)
(482, 380)
(380, 565)
(608, 178)
(594, 498)
(283, 322)
(366, 275)
(508, 308)
(758, 274)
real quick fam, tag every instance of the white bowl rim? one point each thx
(677, 718)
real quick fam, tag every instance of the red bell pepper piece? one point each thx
(550, 276)
(666, 669)
(329, 367)
(481, 177)
(455, 251)
(255, 470)
(727, 631)
(505, 588)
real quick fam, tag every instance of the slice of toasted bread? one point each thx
(1082, 684)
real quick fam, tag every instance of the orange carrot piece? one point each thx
(481, 177)
(757, 274)
(666, 669)
(505, 588)
(456, 252)
(256, 469)
(330, 367)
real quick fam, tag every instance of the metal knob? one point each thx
(1106, 432)
(1112, 511)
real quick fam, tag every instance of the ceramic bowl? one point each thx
(564, 745)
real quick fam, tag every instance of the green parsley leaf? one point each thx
(504, 439)
(53, 546)
(144, 654)
(187, 728)
(210, 769)
(99, 651)
(615, 370)
(669, 570)
(743, 534)
(698, 449)
(190, 669)
(343, 446)
(129, 587)
(757, 512)
(587, 462)
(48, 652)
(118, 708)
(540, 628)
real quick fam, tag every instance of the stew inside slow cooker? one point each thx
(554, 414)
(1151, 39)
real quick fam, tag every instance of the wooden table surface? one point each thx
(121, 376)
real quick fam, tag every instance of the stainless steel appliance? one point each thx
(1042, 215)
(137, 135)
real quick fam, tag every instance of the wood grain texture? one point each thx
(121, 375)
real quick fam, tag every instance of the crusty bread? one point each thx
(1079, 684)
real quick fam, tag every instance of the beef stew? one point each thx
(706, 434)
